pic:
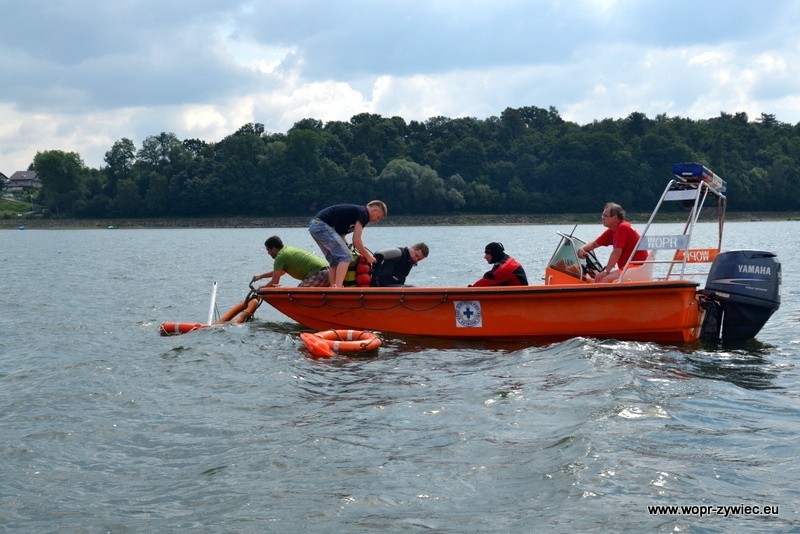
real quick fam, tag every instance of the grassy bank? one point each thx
(11, 209)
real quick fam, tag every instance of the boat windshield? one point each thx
(565, 258)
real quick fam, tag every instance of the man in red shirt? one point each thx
(622, 236)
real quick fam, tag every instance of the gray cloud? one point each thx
(79, 75)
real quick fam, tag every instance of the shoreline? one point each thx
(397, 220)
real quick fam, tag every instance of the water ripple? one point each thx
(107, 426)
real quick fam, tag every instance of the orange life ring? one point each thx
(324, 344)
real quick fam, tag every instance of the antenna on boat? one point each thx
(572, 232)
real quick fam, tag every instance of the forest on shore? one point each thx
(526, 161)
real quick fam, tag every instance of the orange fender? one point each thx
(324, 344)
(241, 312)
(233, 312)
(174, 329)
(248, 312)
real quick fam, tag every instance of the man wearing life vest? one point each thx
(620, 235)
(506, 271)
(394, 264)
(310, 269)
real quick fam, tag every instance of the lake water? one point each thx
(107, 427)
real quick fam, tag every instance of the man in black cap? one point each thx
(506, 271)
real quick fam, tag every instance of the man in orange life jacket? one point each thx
(506, 271)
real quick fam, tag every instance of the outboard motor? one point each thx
(742, 292)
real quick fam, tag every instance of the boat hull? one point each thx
(667, 312)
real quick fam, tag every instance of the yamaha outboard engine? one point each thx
(742, 292)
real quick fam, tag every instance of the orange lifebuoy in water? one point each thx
(324, 344)
(316, 345)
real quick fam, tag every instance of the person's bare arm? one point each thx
(359, 243)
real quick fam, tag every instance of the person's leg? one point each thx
(335, 249)
(320, 233)
(341, 272)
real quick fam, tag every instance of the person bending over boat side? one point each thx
(506, 271)
(393, 265)
(619, 234)
(329, 227)
(310, 269)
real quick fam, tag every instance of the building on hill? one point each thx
(23, 180)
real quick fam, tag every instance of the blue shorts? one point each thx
(331, 243)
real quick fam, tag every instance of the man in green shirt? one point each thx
(311, 270)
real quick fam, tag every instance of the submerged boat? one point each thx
(659, 299)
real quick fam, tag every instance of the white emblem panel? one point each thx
(468, 314)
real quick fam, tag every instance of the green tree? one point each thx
(158, 150)
(412, 188)
(120, 161)
(361, 179)
(273, 170)
(156, 200)
(63, 176)
(236, 171)
(252, 129)
(528, 159)
(784, 185)
(466, 157)
(304, 175)
(95, 201)
(481, 198)
(380, 139)
(127, 202)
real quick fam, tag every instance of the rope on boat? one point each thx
(362, 304)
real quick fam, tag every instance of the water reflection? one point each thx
(407, 343)
(744, 369)
(748, 365)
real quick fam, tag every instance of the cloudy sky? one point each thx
(78, 75)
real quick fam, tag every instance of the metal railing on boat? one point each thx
(694, 185)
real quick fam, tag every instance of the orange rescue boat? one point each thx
(657, 300)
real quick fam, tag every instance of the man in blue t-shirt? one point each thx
(329, 227)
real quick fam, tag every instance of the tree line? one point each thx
(527, 160)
